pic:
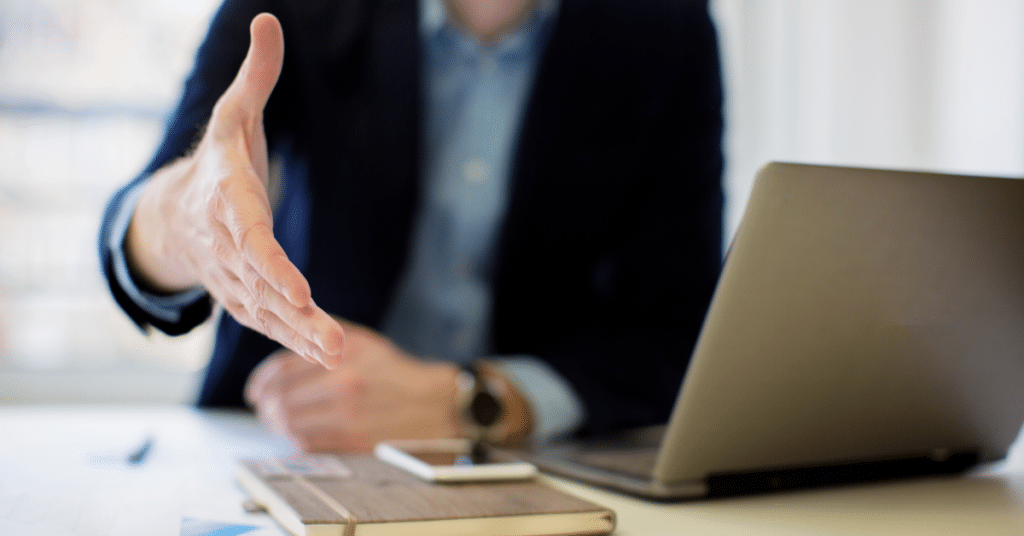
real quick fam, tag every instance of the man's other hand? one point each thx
(377, 393)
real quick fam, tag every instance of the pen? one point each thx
(138, 456)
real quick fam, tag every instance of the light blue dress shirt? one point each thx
(474, 99)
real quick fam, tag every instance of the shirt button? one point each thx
(474, 170)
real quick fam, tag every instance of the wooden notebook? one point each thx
(359, 495)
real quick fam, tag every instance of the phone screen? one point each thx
(441, 459)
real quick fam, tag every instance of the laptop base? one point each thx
(559, 462)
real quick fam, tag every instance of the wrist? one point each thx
(491, 407)
(153, 257)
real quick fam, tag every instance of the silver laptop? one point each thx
(867, 324)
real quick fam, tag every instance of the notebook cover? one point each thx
(353, 495)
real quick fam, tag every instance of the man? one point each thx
(537, 183)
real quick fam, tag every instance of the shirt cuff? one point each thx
(557, 410)
(169, 307)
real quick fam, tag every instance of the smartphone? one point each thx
(452, 460)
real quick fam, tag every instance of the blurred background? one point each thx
(86, 85)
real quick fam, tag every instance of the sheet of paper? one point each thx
(69, 471)
(201, 527)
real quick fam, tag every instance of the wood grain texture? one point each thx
(377, 493)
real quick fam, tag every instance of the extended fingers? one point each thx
(263, 253)
(300, 329)
(261, 316)
(257, 313)
(261, 280)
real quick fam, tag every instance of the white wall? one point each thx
(932, 85)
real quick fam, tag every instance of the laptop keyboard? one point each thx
(635, 462)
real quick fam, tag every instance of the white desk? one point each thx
(63, 471)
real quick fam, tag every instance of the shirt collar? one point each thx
(434, 15)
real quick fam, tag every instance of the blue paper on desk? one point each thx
(203, 527)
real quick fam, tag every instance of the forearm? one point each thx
(152, 257)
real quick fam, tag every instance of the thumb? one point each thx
(247, 95)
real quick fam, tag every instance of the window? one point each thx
(85, 86)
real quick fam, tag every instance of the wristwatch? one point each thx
(480, 405)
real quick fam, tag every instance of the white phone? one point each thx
(451, 460)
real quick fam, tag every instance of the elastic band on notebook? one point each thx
(350, 520)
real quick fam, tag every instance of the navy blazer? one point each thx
(612, 242)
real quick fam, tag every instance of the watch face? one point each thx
(485, 409)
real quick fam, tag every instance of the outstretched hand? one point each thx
(206, 219)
